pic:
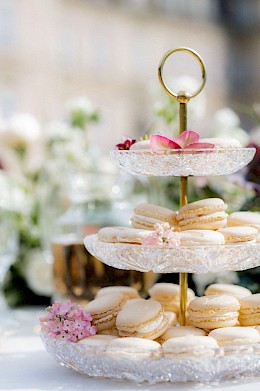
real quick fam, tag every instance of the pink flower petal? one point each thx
(159, 142)
(186, 138)
(200, 145)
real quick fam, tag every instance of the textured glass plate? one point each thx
(227, 363)
(193, 259)
(185, 162)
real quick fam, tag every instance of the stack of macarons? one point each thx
(199, 223)
(147, 215)
(208, 214)
(129, 326)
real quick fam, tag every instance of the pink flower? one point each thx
(126, 144)
(67, 321)
(163, 235)
(188, 140)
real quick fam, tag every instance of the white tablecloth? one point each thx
(25, 365)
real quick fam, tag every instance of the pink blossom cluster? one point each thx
(67, 321)
(163, 235)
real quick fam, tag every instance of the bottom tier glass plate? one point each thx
(227, 363)
(192, 259)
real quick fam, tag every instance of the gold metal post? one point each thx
(182, 97)
(183, 277)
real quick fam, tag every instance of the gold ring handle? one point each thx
(181, 96)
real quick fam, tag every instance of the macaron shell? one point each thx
(127, 291)
(137, 313)
(140, 145)
(212, 221)
(215, 304)
(180, 331)
(250, 310)
(166, 292)
(96, 340)
(105, 305)
(239, 234)
(154, 334)
(109, 234)
(200, 208)
(201, 237)
(156, 212)
(190, 345)
(228, 336)
(249, 219)
(227, 289)
(122, 235)
(143, 222)
(105, 323)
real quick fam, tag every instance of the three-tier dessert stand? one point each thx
(227, 363)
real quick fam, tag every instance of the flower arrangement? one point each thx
(163, 235)
(67, 321)
(32, 161)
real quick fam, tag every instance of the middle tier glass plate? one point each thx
(189, 259)
(184, 162)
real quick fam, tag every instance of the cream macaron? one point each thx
(228, 336)
(180, 331)
(204, 214)
(247, 218)
(104, 310)
(227, 289)
(172, 316)
(128, 291)
(96, 343)
(142, 319)
(133, 348)
(249, 314)
(169, 295)
(239, 234)
(211, 312)
(201, 237)
(147, 215)
(190, 345)
(222, 143)
(122, 235)
(142, 145)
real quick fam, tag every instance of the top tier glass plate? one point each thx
(184, 162)
(189, 259)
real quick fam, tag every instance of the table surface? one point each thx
(25, 364)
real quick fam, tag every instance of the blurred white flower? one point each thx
(38, 273)
(19, 131)
(56, 131)
(80, 103)
(226, 124)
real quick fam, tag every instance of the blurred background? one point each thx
(52, 51)
(78, 75)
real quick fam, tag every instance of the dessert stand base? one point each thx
(234, 363)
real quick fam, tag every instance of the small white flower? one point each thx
(39, 273)
(82, 104)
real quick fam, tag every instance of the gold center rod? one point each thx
(183, 277)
